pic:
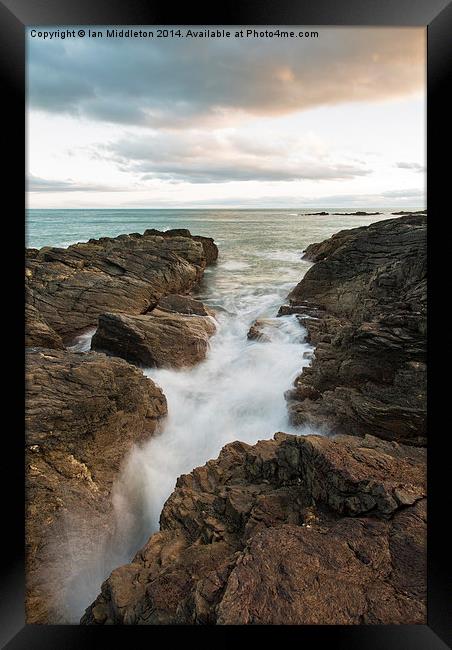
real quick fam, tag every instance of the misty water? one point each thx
(237, 393)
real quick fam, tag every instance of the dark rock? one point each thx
(368, 295)
(210, 248)
(208, 244)
(402, 212)
(70, 287)
(83, 414)
(183, 305)
(159, 339)
(359, 213)
(295, 530)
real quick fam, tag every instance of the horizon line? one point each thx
(323, 208)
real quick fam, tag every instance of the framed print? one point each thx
(229, 334)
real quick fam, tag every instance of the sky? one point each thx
(333, 121)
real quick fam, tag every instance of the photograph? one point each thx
(226, 325)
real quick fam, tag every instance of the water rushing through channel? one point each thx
(237, 393)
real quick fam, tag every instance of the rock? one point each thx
(83, 414)
(70, 287)
(159, 339)
(295, 530)
(316, 214)
(208, 244)
(269, 329)
(38, 333)
(183, 305)
(401, 212)
(364, 303)
(256, 333)
(359, 213)
(210, 248)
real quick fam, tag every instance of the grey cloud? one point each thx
(414, 193)
(410, 165)
(206, 157)
(328, 202)
(175, 82)
(37, 184)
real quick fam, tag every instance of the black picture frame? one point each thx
(15, 16)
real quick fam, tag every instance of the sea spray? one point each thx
(236, 394)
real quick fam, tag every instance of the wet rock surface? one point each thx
(84, 411)
(364, 305)
(69, 288)
(159, 339)
(295, 530)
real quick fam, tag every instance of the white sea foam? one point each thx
(82, 342)
(282, 256)
(236, 394)
(235, 265)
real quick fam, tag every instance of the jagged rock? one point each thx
(294, 530)
(364, 306)
(208, 244)
(184, 305)
(159, 339)
(83, 414)
(70, 287)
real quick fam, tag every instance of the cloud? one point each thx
(413, 193)
(177, 82)
(411, 165)
(197, 156)
(410, 198)
(37, 184)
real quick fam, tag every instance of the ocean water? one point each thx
(237, 393)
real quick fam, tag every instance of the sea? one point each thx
(237, 393)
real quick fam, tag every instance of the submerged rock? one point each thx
(366, 297)
(159, 339)
(295, 530)
(84, 411)
(69, 288)
(256, 331)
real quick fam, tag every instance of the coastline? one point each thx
(228, 529)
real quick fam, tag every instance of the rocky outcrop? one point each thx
(69, 288)
(295, 530)
(364, 306)
(208, 244)
(83, 414)
(401, 212)
(358, 213)
(159, 339)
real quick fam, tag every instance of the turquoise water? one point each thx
(65, 227)
(260, 250)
